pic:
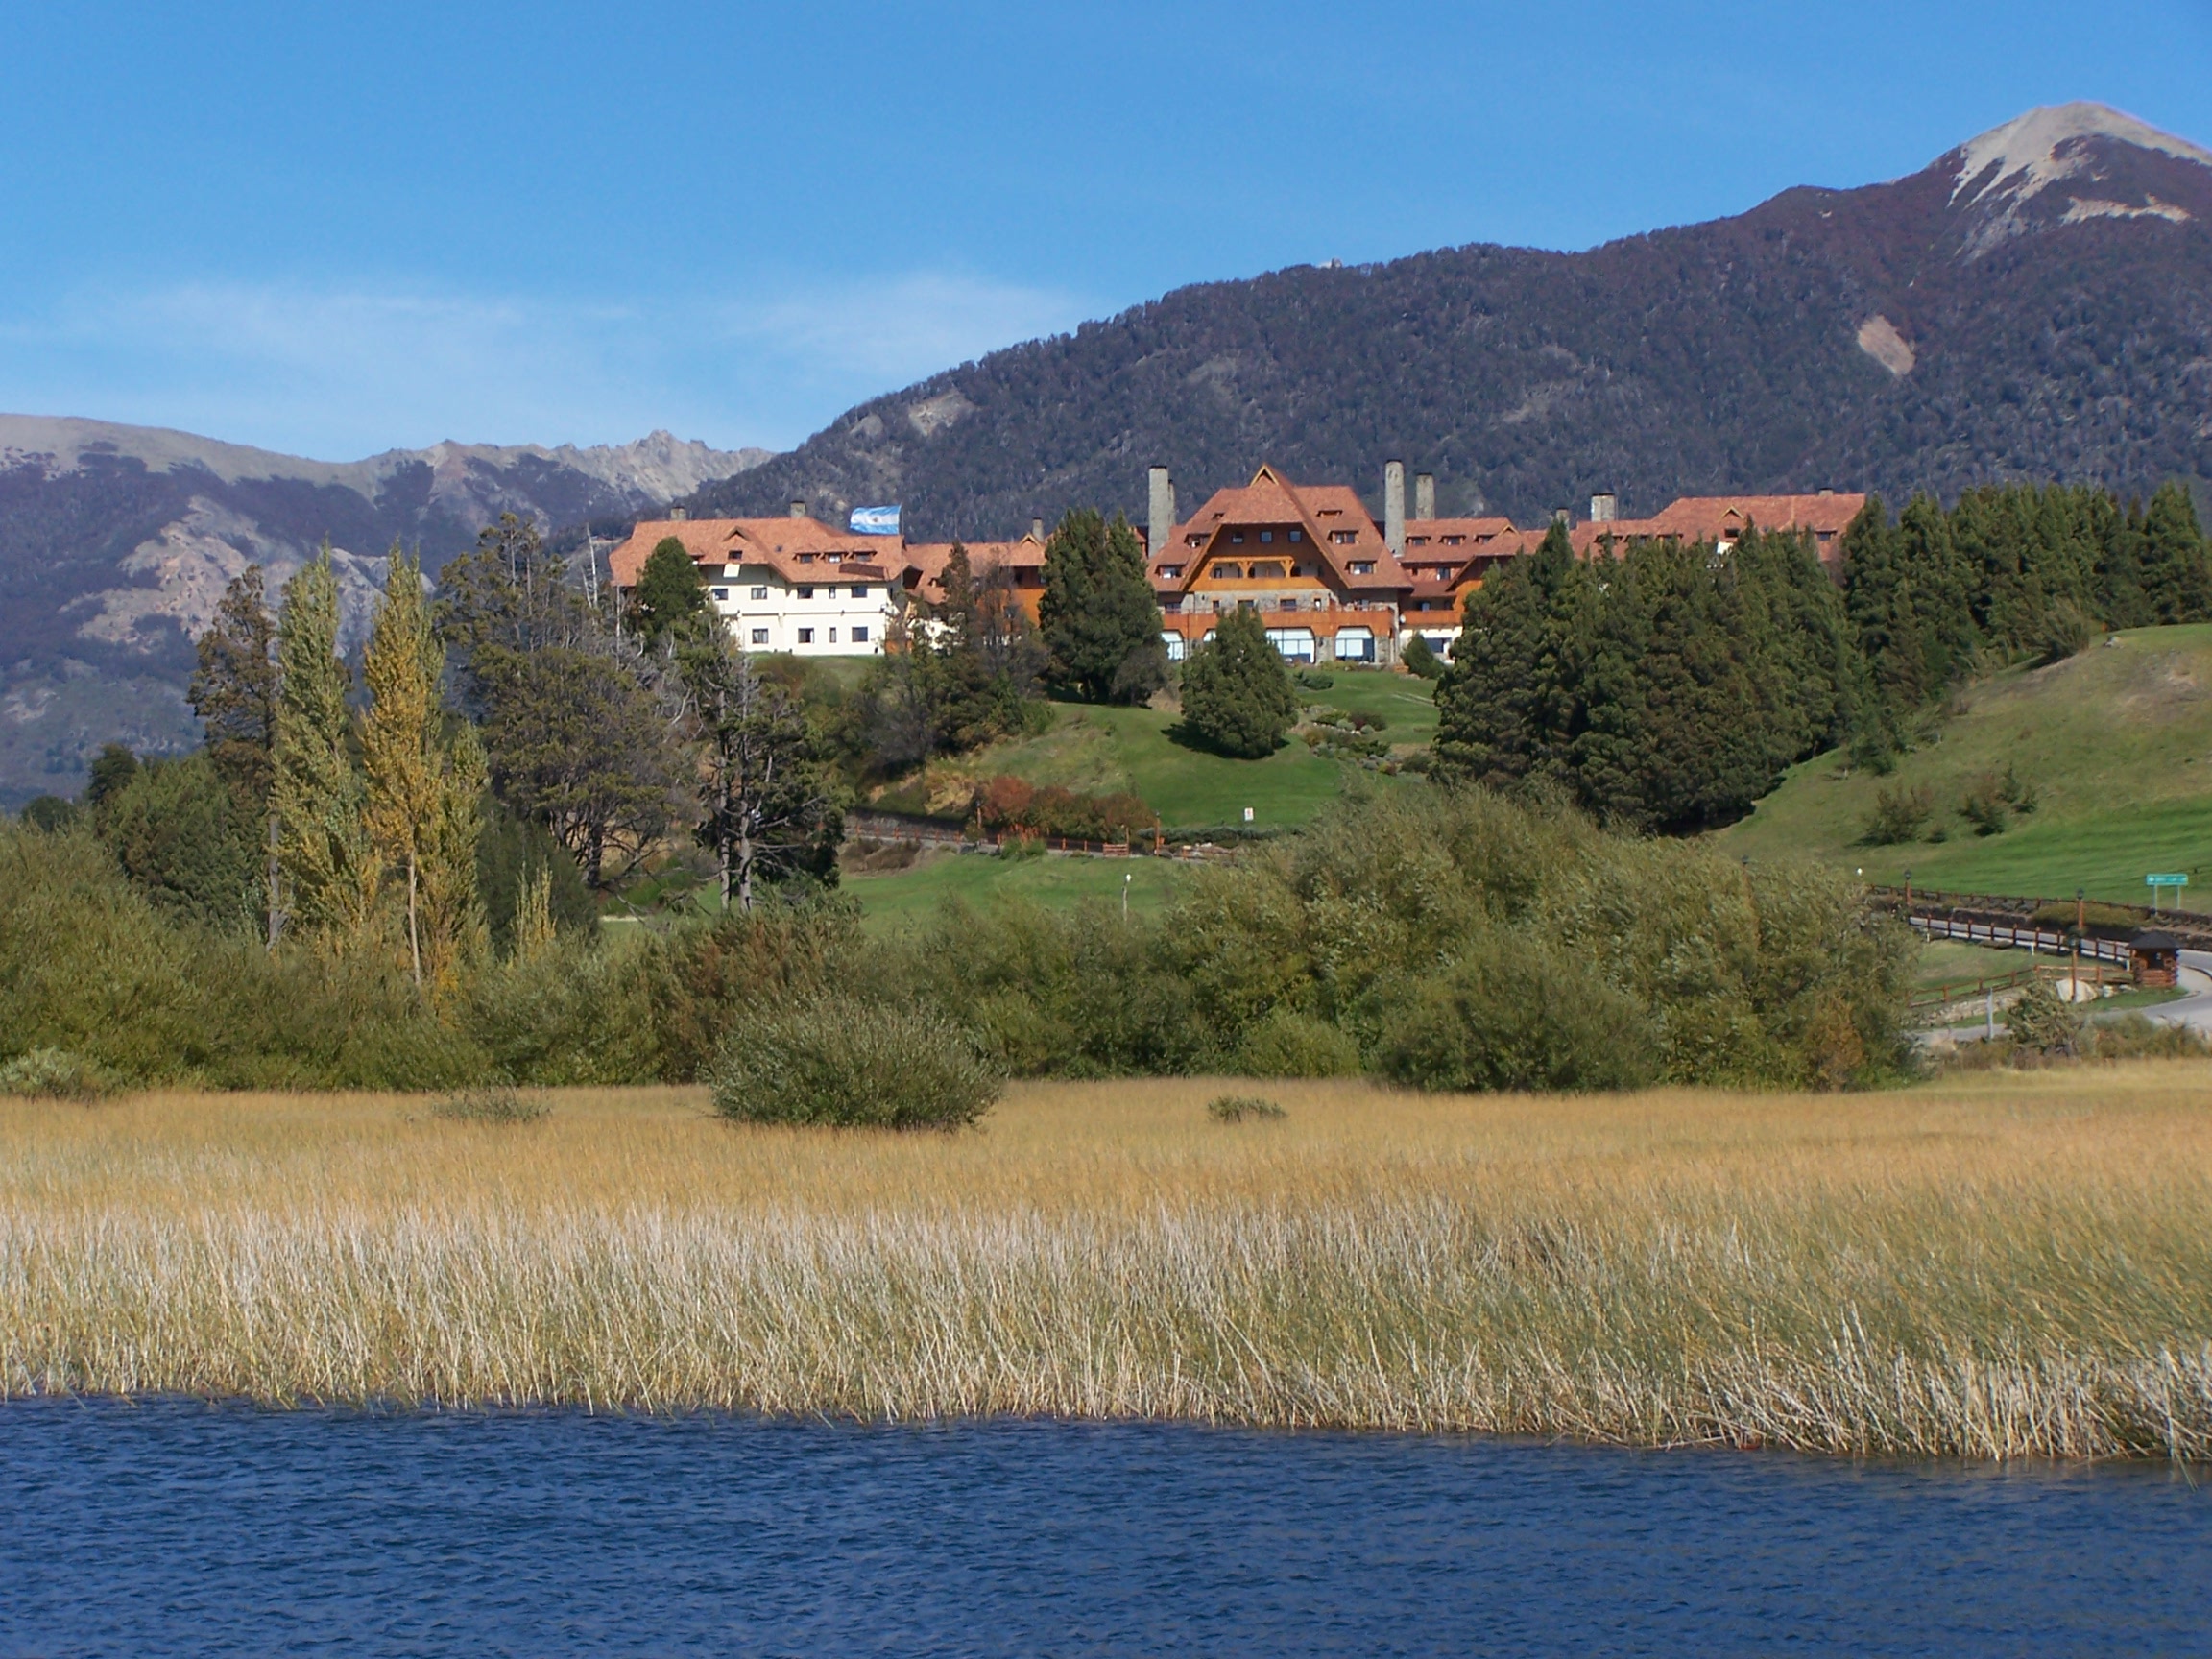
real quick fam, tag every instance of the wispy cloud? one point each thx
(338, 371)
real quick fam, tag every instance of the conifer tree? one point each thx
(453, 925)
(328, 864)
(1101, 619)
(234, 689)
(672, 595)
(2176, 583)
(1236, 695)
(1514, 700)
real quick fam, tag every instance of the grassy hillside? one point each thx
(1103, 751)
(907, 895)
(2116, 743)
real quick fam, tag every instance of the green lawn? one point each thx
(909, 895)
(1108, 751)
(2117, 743)
(1953, 962)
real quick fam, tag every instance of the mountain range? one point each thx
(2035, 303)
(117, 541)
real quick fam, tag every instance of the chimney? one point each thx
(1424, 494)
(679, 514)
(1394, 507)
(798, 509)
(1037, 528)
(1562, 515)
(1827, 490)
(1604, 507)
(1160, 515)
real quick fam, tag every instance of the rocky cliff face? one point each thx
(2036, 303)
(116, 543)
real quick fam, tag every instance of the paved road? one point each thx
(2195, 1009)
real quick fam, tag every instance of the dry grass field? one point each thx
(2007, 1265)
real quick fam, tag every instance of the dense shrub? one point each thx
(1237, 696)
(831, 1061)
(1899, 815)
(1518, 1013)
(54, 1074)
(1012, 805)
(181, 834)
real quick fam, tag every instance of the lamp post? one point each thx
(2081, 920)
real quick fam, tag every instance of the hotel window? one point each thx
(805, 635)
(1170, 572)
(836, 558)
(1238, 537)
(859, 636)
(1265, 572)
(1297, 535)
(759, 635)
(759, 593)
(832, 636)
(804, 558)
(1266, 535)
(720, 592)
(1362, 566)
(1344, 538)
(1228, 572)
(859, 591)
(1454, 541)
(1195, 541)
(805, 592)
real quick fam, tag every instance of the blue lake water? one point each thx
(189, 1529)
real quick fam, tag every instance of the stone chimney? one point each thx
(1424, 494)
(1037, 528)
(679, 514)
(1160, 515)
(1394, 507)
(1562, 515)
(798, 509)
(1603, 508)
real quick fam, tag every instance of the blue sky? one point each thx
(334, 230)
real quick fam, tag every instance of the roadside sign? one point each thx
(2165, 881)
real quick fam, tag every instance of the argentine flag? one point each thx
(875, 520)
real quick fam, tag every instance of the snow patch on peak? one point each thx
(2028, 148)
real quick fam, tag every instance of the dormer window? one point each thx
(1195, 541)
(1344, 538)
(1417, 540)
(1362, 566)
(1454, 541)
(1168, 572)
(804, 558)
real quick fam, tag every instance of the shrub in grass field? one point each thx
(1238, 1108)
(849, 1064)
(493, 1103)
(1900, 813)
(54, 1074)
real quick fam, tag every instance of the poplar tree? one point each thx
(401, 760)
(328, 863)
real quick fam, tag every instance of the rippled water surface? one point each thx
(180, 1529)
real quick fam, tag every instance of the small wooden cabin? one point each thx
(2157, 959)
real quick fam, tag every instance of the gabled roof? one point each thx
(1272, 500)
(928, 560)
(1722, 518)
(775, 543)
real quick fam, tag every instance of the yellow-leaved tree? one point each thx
(423, 809)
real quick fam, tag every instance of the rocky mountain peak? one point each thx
(2096, 151)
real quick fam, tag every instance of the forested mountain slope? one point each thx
(2036, 303)
(116, 543)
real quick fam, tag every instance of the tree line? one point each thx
(1666, 687)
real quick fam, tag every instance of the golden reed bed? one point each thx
(2000, 1266)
